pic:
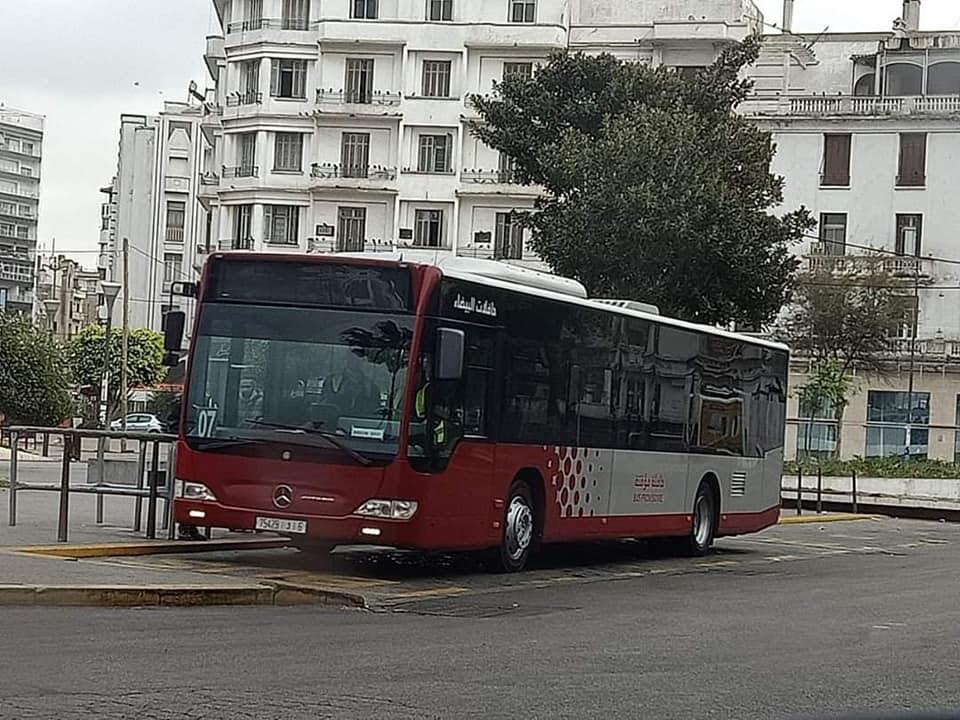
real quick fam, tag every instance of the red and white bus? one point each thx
(466, 405)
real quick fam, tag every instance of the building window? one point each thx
(507, 169)
(281, 224)
(943, 79)
(436, 78)
(522, 70)
(836, 161)
(358, 84)
(508, 244)
(428, 228)
(250, 82)
(172, 265)
(27, 148)
(439, 10)
(913, 160)
(903, 80)
(253, 19)
(176, 216)
(434, 154)
(288, 152)
(909, 235)
(247, 155)
(242, 225)
(865, 86)
(23, 233)
(351, 229)
(897, 426)
(523, 11)
(364, 9)
(288, 78)
(689, 72)
(355, 155)
(296, 15)
(833, 233)
(956, 434)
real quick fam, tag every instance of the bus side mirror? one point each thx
(173, 323)
(450, 344)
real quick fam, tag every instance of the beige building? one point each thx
(867, 129)
(69, 296)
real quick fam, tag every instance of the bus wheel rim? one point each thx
(702, 519)
(519, 533)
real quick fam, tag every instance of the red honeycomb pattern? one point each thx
(574, 475)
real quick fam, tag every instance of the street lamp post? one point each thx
(110, 291)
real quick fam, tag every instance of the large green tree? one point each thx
(144, 359)
(34, 380)
(654, 188)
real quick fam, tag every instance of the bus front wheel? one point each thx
(704, 526)
(519, 529)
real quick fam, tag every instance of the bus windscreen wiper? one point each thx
(328, 436)
(220, 443)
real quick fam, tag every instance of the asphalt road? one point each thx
(843, 621)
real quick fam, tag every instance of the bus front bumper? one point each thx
(351, 529)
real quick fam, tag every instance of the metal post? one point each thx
(13, 479)
(124, 391)
(101, 470)
(105, 380)
(819, 490)
(913, 356)
(46, 444)
(168, 498)
(854, 491)
(152, 498)
(138, 504)
(64, 518)
(799, 490)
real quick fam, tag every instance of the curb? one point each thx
(811, 519)
(77, 552)
(126, 596)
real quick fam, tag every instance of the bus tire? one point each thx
(706, 510)
(519, 529)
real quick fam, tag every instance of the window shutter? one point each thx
(913, 159)
(268, 222)
(274, 77)
(836, 160)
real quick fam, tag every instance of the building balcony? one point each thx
(495, 182)
(214, 55)
(8, 149)
(373, 177)
(240, 171)
(280, 30)
(850, 105)
(7, 235)
(30, 174)
(28, 193)
(827, 257)
(257, 24)
(25, 213)
(174, 234)
(249, 97)
(12, 272)
(347, 102)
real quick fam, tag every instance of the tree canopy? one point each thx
(654, 189)
(34, 380)
(144, 359)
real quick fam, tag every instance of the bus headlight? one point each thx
(388, 509)
(198, 491)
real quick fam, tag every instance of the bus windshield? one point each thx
(263, 373)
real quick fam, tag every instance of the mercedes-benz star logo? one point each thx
(283, 496)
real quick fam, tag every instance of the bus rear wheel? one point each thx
(519, 529)
(704, 527)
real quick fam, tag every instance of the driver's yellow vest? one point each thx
(420, 411)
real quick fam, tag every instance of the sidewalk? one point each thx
(36, 579)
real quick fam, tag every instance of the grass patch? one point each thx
(888, 467)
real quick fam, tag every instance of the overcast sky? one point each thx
(82, 63)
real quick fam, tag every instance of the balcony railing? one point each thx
(354, 97)
(241, 171)
(498, 177)
(174, 234)
(250, 97)
(819, 105)
(298, 24)
(359, 172)
(236, 244)
(828, 257)
(22, 192)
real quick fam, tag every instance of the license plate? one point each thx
(298, 527)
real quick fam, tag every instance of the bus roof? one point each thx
(523, 280)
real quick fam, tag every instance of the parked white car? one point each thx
(139, 422)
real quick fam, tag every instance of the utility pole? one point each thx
(126, 332)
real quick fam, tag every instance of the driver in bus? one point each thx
(249, 401)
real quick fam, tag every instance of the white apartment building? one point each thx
(21, 142)
(342, 125)
(867, 128)
(153, 202)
